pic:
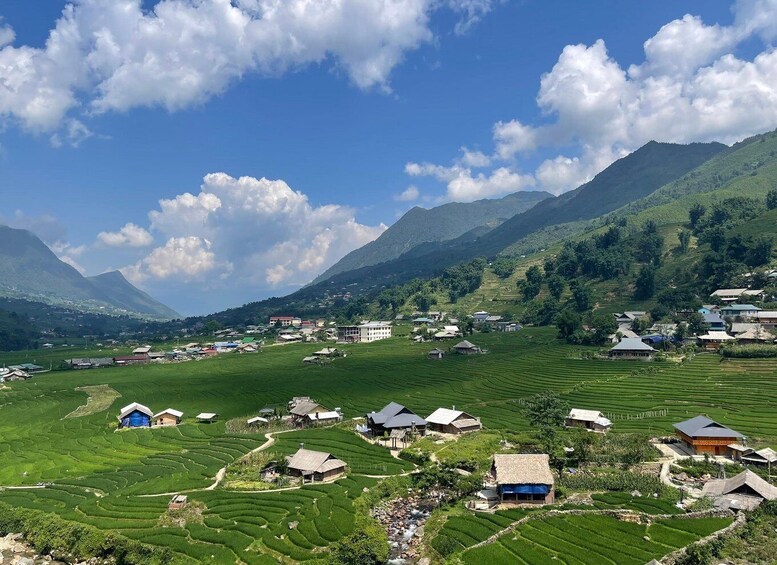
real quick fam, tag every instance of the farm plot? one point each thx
(461, 532)
(581, 539)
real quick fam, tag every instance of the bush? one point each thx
(749, 351)
(417, 457)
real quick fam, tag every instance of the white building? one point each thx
(364, 333)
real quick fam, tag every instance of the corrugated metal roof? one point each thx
(701, 426)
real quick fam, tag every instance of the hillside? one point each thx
(31, 271)
(443, 223)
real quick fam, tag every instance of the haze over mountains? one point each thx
(31, 271)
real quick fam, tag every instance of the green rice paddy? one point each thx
(100, 475)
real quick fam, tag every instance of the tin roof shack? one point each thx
(302, 409)
(702, 435)
(745, 491)
(452, 421)
(632, 348)
(314, 466)
(178, 502)
(168, 417)
(394, 416)
(207, 417)
(524, 478)
(713, 339)
(436, 354)
(592, 420)
(467, 348)
(326, 418)
(11, 375)
(135, 416)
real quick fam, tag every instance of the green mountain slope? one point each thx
(31, 271)
(443, 223)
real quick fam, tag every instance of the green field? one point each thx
(99, 474)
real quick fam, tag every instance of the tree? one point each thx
(771, 199)
(423, 301)
(366, 545)
(685, 240)
(530, 287)
(503, 267)
(547, 413)
(567, 323)
(645, 285)
(555, 286)
(681, 331)
(581, 296)
(695, 214)
(604, 326)
(696, 325)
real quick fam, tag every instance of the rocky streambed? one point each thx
(404, 520)
(13, 551)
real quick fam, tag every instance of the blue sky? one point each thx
(354, 111)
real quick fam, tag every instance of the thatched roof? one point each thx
(523, 468)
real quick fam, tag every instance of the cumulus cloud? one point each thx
(464, 186)
(114, 55)
(690, 87)
(251, 231)
(45, 226)
(128, 236)
(408, 195)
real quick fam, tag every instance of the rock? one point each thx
(24, 561)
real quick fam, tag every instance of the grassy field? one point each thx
(85, 457)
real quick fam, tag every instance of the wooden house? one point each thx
(523, 478)
(168, 417)
(394, 416)
(713, 339)
(301, 411)
(314, 466)
(452, 421)
(135, 415)
(592, 420)
(632, 348)
(467, 348)
(702, 435)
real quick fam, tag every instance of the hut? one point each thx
(592, 420)
(466, 348)
(178, 502)
(303, 408)
(135, 415)
(713, 339)
(436, 354)
(524, 478)
(314, 465)
(168, 417)
(452, 421)
(256, 421)
(702, 435)
(632, 348)
(745, 491)
(207, 417)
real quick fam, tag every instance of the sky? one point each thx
(219, 152)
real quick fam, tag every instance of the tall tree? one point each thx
(645, 285)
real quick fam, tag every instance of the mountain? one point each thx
(443, 223)
(31, 271)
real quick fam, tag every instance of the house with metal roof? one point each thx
(739, 310)
(314, 465)
(168, 417)
(207, 417)
(702, 435)
(523, 478)
(467, 348)
(135, 415)
(766, 456)
(745, 491)
(303, 409)
(394, 416)
(452, 421)
(592, 420)
(713, 339)
(632, 348)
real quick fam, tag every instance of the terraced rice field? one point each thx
(579, 540)
(84, 455)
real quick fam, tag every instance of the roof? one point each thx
(466, 423)
(713, 318)
(584, 415)
(713, 335)
(740, 308)
(170, 411)
(756, 334)
(742, 327)
(257, 420)
(143, 349)
(767, 455)
(720, 487)
(304, 408)
(523, 468)
(130, 408)
(394, 415)
(631, 344)
(308, 461)
(206, 416)
(444, 416)
(701, 426)
(465, 345)
(729, 292)
(331, 415)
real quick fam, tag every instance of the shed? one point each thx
(168, 417)
(452, 421)
(436, 354)
(744, 491)
(135, 415)
(207, 417)
(314, 465)
(524, 478)
(257, 421)
(592, 420)
(466, 348)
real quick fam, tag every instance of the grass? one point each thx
(100, 398)
(83, 456)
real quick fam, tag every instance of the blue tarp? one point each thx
(524, 489)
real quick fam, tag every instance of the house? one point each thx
(11, 375)
(289, 338)
(131, 360)
(713, 321)
(480, 317)
(629, 317)
(755, 336)
(207, 417)
(448, 332)
(394, 416)
(422, 321)
(741, 327)
(735, 294)
(702, 435)
(509, 326)
(744, 491)
(766, 456)
(523, 478)
(314, 465)
(168, 417)
(767, 318)
(734, 310)
(632, 348)
(285, 321)
(327, 418)
(713, 339)
(493, 319)
(328, 352)
(592, 420)
(256, 421)
(80, 363)
(467, 348)
(135, 415)
(452, 421)
(303, 409)
(143, 350)
(178, 502)
(366, 332)
(436, 354)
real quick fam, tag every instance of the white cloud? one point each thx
(114, 55)
(690, 87)
(466, 187)
(68, 253)
(128, 236)
(73, 133)
(408, 195)
(475, 159)
(7, 34)
(250, 232)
